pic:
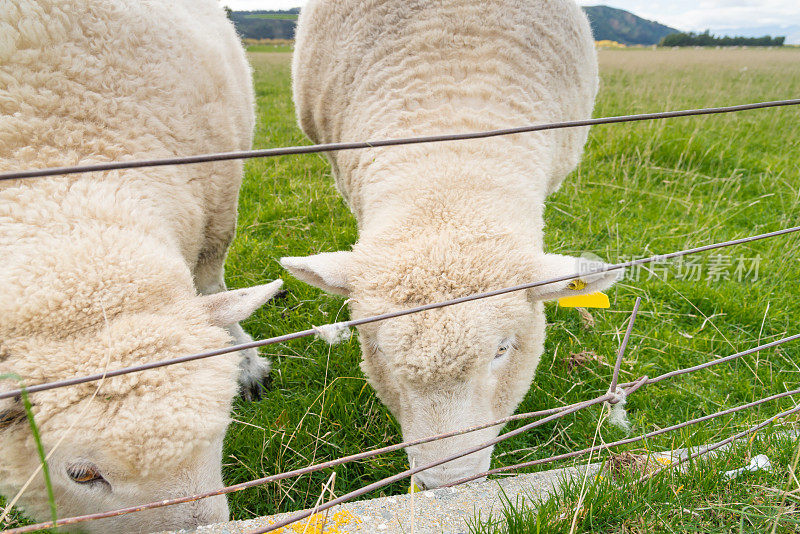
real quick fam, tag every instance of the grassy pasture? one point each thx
(698, 500)
(643, 188)
(269, 45)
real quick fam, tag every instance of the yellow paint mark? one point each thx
(317, 524)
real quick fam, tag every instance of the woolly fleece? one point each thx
(444, 220)
(102, 270)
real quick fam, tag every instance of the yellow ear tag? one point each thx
(414, 488)
(592, 300)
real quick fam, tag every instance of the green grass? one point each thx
(269, 47)
(642, 188)
(697, 500)
(26, 403)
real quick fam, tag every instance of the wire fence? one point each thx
(334, 147)
(615, 393)
(391, 315)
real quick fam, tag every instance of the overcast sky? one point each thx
(681, 14)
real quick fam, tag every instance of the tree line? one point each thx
(265, 24)
(706, 39)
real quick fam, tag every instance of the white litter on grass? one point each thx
(758, 463)
(618, 415)
(332, 333)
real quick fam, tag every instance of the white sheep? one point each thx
(445, 220)
(103, 270)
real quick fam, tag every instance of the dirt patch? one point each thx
(576, 360)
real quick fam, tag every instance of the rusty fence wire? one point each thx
(334, 147)
(615, 393)
(385, 316)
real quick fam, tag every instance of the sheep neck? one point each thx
(458, 190)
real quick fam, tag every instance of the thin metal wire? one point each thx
(382, 317)
(706, 450)
(626, 441)
(635, 386)
(324, 465)
(556, 413)
(712, 363)
(623, 346)
(409, 472)
(306, 470)
(332, 147)
(310, 469)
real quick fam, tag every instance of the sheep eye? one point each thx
(505, 346)
(376, 347)
(85, 474)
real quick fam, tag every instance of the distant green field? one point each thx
(272, 16)
(643, 188)
(269, 48)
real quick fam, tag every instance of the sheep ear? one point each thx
(548, 266)
(329, 271)
(229, 307)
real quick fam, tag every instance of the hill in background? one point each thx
(608, 23)
(613, 24)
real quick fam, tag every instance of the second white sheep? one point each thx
(438, 221)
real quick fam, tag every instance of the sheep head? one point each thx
(131, 439)
(447, 369)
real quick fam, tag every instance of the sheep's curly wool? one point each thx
(444, 220)
(388, 68)
(102, 270)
